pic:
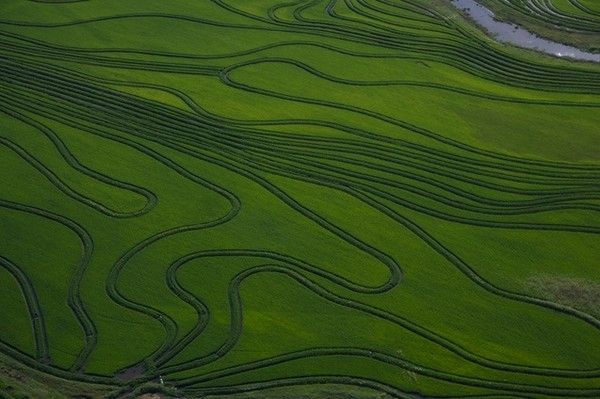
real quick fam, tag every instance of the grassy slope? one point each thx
(18, 382)
(508, 113)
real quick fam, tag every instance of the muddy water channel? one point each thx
(513, 34)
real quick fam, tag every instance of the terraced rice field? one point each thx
(241, 195)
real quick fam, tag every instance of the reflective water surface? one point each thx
(513, 34)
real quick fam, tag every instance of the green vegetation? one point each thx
(578, 293)
(238, 196)
(19, 382)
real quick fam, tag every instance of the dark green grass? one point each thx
(239, 196)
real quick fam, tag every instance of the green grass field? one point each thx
(240, 196)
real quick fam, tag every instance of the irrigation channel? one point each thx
(514, 34)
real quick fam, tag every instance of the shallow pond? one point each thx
(513, 34)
